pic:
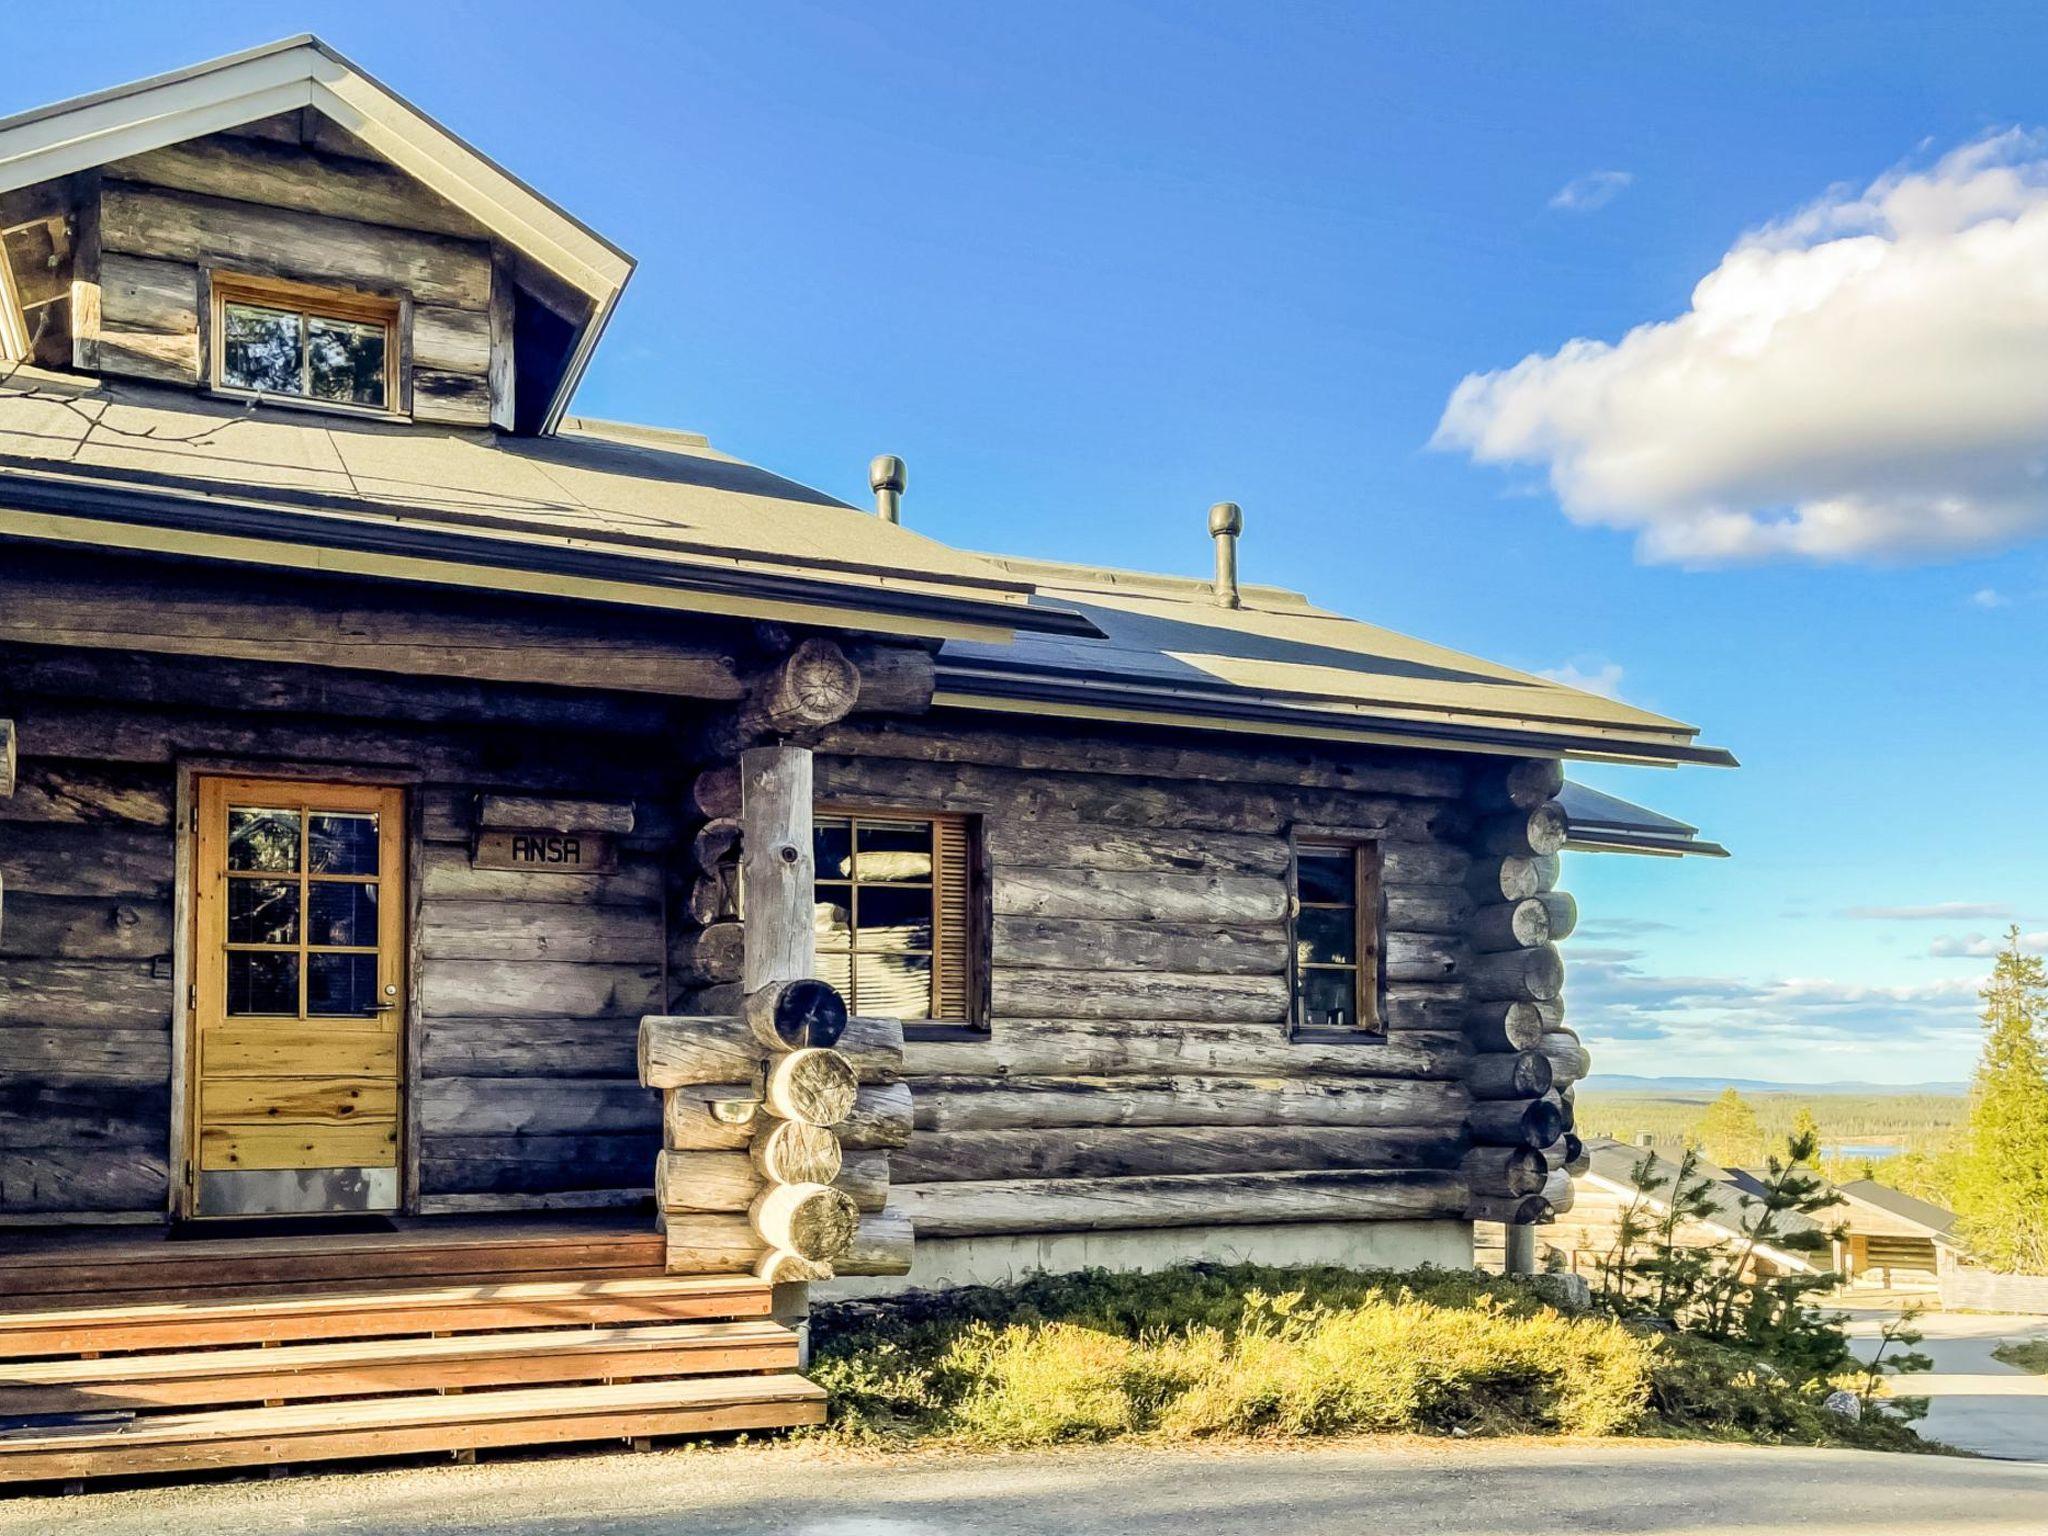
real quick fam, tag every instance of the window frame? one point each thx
(310, 301)
(972, 942)
(1369, 909)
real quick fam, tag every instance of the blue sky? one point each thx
(1089, 268)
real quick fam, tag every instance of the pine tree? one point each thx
(2001, 1181)
(1805, 1128)
(1729, 1132)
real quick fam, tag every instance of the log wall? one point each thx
(1138, 1070)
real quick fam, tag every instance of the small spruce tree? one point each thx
(2001, 1178)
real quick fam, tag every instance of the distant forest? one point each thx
(1926, 1124)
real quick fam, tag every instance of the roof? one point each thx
(1169, 653)
(241, 88)
(1938, 1223)
(1604, 823)
(601, 512)
(1616, 1163)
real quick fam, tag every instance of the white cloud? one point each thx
(1978, 946)
(1591, 675)
(1990, 597)
(1862, 380)
(1595, 189)
(1935, 911)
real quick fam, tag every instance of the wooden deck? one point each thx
(125, 1352)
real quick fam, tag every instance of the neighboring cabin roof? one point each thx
(1604, 823)
(242, 88)
(1925, 1214)
(1169, 653)
(599, 512)
(1615, 1162)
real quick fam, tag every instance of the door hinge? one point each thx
(192, 995)
(195, 818)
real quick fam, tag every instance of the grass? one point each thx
(1210, 1352)
(2027, 1354)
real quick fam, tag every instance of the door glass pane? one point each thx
(263, 840)
(1326, 874)
(1326, 935)
(341, 985)
(896, 986)
(261, 349)
(894, 850)
(342, 843)
(345, 361)
(263, 912)
(263, 982)
(894, 918)
(832, 844)
(1329, 999)
(343, 913)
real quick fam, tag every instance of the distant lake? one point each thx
(1874, 1150)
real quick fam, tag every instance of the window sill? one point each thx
(301, 403)
(1337, 1037)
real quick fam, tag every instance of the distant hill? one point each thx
(1617, 1082)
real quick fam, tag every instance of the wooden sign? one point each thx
(546, 853)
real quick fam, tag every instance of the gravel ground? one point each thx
(1489, 1488)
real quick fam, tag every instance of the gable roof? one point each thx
(598, 512)
(1167, 652)
(1938, 1223)
(241, 88)
(1604, 823)
(1614, 1163)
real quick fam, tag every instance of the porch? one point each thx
(125, 1351)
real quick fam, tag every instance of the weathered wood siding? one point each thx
(1139, 1070)
(528, 988)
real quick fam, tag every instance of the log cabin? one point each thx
(501, 901)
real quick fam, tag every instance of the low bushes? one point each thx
(1249, 1350)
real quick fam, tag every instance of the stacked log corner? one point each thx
(1524, 1060)
(775, 1150)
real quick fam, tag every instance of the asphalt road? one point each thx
(1973, 1401)
(1405, 1487)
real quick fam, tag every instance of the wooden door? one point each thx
(296, 1074)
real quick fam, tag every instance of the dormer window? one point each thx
(291, 341)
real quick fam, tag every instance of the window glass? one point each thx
(261, 349)
(878, 906)
(345, 361)
(1336, 943)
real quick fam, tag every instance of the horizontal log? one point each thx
(116, 1116)
(785, 1152)
(684, 1051)
(1531, 834)
(1422, 957)
(812, 1221)
(894, 679)
(977, 1102)
(1521, 785)
(538, 988)
(1515, 1171)
(1214, 949)
(1510, 1210)
(1044, 843)
(706, 1181)
(1187, 1200)
(1049, 1047)
(1369, 771)
(864, 1179)
(1129, 993)
(715, 793)
(1560, 1194)
(1533, 974)
(812, 1086)
(880, 1118)
(1569, 1060)
(1569, 1153)
(550, 814)
(84, 994)
(1498, 879)
(1509, 1025)
(9, 759)
(452, 1165)
(64, 1052)
(87, 860)
(791, 1015)
(1506, 925)
(84, 1180)
(1124, 1151)
(882, 1246)
(447, 875)
(710, 1244)
(1508, 1075)
(707, 899)
(1427, 909)
(564, 932)
(1423, 863)
(1517, 1122)
(73, 793)
(82, 927)
(535, 1106)
(1122, 895)
(547, 1048)
(715, 843)
(715, 954)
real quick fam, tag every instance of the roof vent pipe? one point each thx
(887, 477)
(1226, 522)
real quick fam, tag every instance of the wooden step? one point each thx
(385, 1426)
(152, 1267)
(213, 1378)
(383, 1313)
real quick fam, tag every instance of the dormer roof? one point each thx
(303, 72)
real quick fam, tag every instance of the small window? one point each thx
(1337, 938)
(324, 346)
(895, 920)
